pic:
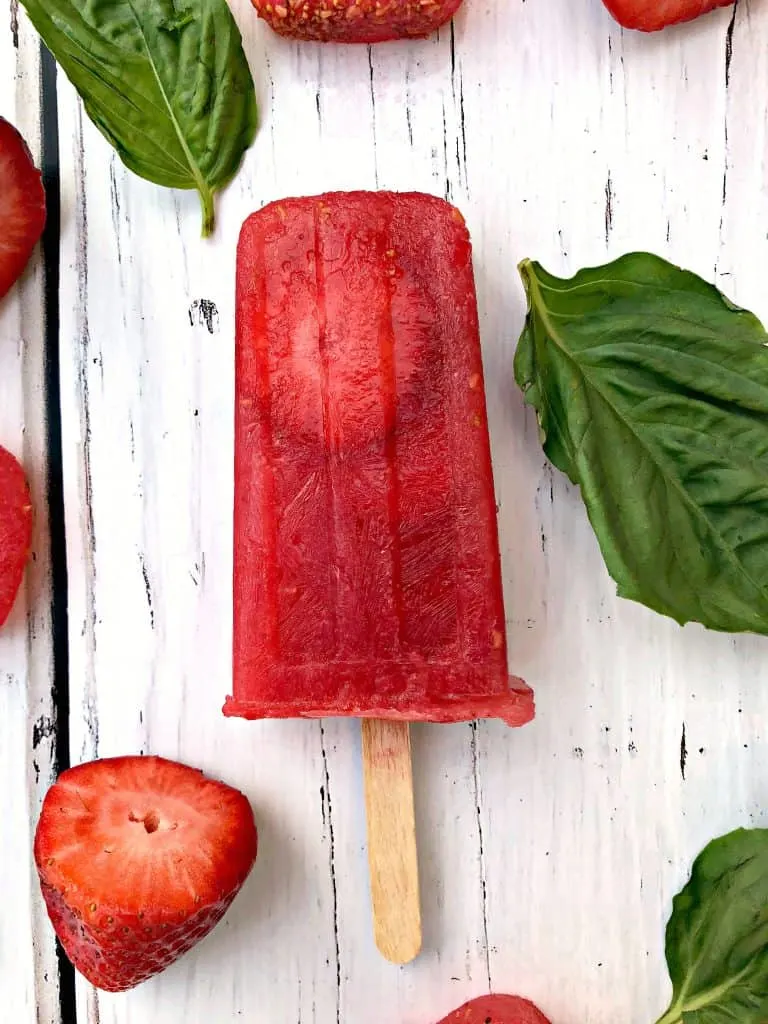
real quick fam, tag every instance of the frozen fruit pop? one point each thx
(367, 577)
(356, 21)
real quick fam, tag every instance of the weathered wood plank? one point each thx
(589, 825)
(28, 966)
(548, 856)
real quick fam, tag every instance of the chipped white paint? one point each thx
(28, 970)
(549, 855)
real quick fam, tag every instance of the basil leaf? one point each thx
(652, 395)
(166, 82)
(717, 937)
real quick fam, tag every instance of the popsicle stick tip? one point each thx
(402, 952)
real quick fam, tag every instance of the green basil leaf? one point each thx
(717, 937)
(166, 81)
(651, 391)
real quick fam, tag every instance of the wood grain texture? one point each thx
(28, 967)
(549, 855)
(391, 836)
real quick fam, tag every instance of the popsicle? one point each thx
(356, 21)
(367, 575)
(367, 579)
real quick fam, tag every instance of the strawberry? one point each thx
(652, 15)
(496, 1010)
(356, 21)
(22, 206)
(138, 859)
(15, 529)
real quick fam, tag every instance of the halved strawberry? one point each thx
(15, 529)
(22, 206)
(652, 15)
(496, 1010)
(139, 858)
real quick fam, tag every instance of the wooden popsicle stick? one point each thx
(392, 852)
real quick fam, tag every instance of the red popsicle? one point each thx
(367, 574)
(15, 530)
(356, 21)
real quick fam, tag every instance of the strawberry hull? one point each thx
(15, 530)
(356, 21)
(367, 572)
(653, 16)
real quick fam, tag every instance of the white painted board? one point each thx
(28, 968)
(550, 855)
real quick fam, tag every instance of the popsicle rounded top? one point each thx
(356, 21)
(367, 575)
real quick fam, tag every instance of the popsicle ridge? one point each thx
(388, 371)
(330, 442)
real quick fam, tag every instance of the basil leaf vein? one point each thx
(165, 81)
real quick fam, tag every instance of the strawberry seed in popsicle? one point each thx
(367, 577)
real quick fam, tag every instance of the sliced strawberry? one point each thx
(496, 1010)
(138, 859)
(22, 206)
(652, 15)
(15, 529)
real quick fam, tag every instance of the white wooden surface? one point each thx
(549, 856)
(28, 969)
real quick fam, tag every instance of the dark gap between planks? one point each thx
(59, 589)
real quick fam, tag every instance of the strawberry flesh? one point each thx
(139, 858)
(15, 530)
(22, 206)
(496, 1010)
(650, 17)
(356, 21)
